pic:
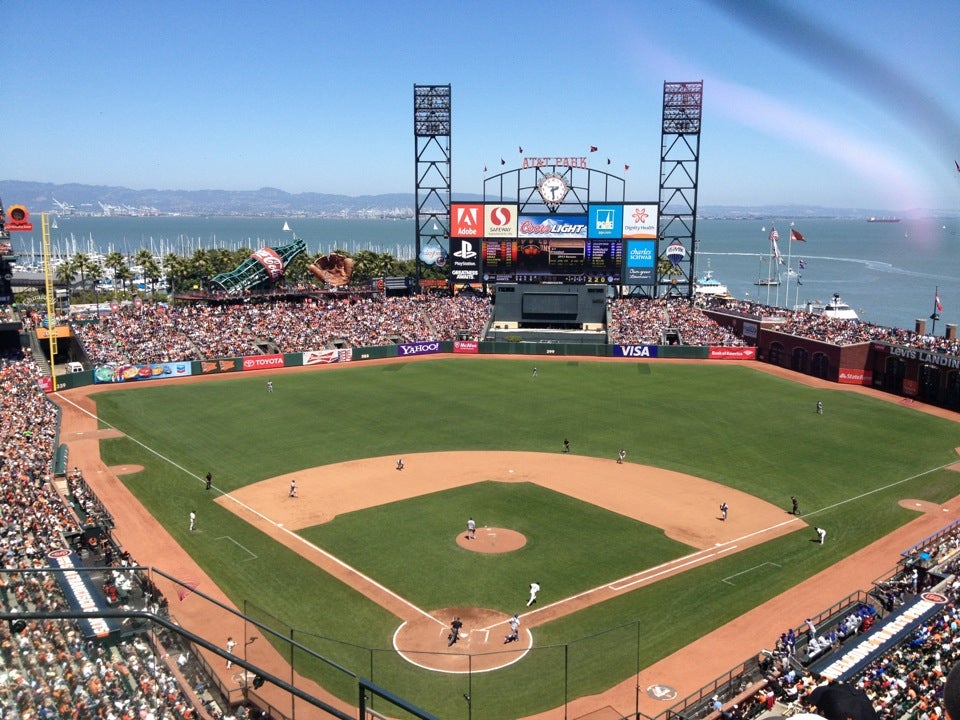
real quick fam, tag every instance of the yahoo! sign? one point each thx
(418, 348)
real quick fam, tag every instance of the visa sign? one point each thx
(635, 351)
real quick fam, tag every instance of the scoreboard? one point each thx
(495, 242)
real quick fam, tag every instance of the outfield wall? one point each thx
(163, 371)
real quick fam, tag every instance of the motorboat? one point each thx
(834, 308)
(707, 284)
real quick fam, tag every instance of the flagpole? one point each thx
(786, 293)
(770, 262)
(936, 314)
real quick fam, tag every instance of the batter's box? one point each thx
(238, 552)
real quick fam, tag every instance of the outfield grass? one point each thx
(729, 424)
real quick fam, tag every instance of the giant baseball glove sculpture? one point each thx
(334, 269)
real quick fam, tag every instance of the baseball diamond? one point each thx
(724, 575)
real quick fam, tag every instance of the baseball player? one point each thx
(514, 630)
(454, 631)
(231, 644)
(620, 456)
(471, 529)
(534, 589)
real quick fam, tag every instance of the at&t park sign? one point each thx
(538, 162)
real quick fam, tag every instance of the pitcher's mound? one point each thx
(492, 540)
(425, 642)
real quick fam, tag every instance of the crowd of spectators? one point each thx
(638, 321)
(833, 330)
(156, 333)
(161, 333)
(48, 669)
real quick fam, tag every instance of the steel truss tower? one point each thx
(431, 132)
(679, 170)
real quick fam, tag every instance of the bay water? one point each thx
(888, 272)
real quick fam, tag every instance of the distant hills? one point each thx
(73, 198)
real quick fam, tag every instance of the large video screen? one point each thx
(558, 247)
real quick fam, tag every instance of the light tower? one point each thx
(679, 170)
(431, 133)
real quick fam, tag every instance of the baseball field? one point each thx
(368, 565)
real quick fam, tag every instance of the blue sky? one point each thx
(837, 103)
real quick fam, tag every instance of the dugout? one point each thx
(549, 313)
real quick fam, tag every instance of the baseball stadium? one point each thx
(560, 484)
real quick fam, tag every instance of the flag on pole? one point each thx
(502, 161)
(593, 148)
(521, 149)
(608, 161)
(794, 235)
(484, 168)
(774, 236)
(626, 167)
(936, 301)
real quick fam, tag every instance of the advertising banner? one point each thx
(466, 221)
(500, 221)
(605, 221)
(263, 362)
(639, 262)
(552, 226)
(636, 351)
(425, 347)
(471, 347)
(640, 221)
(464, 260)
(855, 376)
(324, 357)
(210, 367)
(81, 593)
(732, 353)
(132, 373)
